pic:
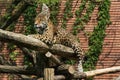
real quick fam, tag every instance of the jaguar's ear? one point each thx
(45, 10)
(45, 7)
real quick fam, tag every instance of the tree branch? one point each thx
(9, 10)
(12, 6)
(3, 61)
(15, 13)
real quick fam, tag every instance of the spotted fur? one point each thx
(54, 35)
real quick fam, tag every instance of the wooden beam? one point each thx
(96, 72)
(53, 58)
(48, 74)
(62, 51)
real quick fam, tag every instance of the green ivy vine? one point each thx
(81, 8)
(12, 51)
(78, 13)
(67, 13)
(29, 16)
(97, 37)
(54, 8)
(81, 21)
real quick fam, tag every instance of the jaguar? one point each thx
(50, 34)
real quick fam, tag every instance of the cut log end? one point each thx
(48, 54)
(65, 68)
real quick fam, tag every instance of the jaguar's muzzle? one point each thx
(40, 28)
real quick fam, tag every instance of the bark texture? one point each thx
(32, 43)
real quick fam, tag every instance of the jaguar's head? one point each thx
(41, 20)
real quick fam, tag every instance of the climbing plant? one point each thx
(81, 20)
(67, 13)
(97, 37)
(29, 16)
(54, 8)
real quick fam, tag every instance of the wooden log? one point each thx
(12, 7)
(27, 77)
(41, 64)
(66, 68)
(53, 58)
(62, 51)
(102, 71)
(26, 51)
(31, 54)
(116, 78)
(3, 61)
(17, 69)
(56, 77)
(35, 44)
(22, 40)
(96, 72)
(48, 74)
(59, 77)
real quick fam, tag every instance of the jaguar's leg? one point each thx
(75, 45)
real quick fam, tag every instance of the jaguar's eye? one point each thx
(45, 25)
